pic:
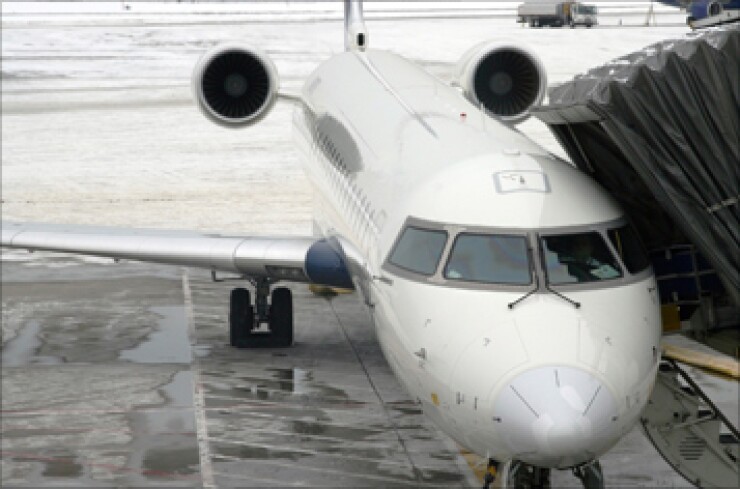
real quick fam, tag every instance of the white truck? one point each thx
(557, 14)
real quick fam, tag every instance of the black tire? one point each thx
(241, 318)
(281, 317)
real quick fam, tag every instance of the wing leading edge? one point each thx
(292, 258)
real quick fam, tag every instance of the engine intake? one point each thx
(506, 80)
(235, 85)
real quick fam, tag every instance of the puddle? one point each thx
(180, 390)
(62, 467)
(22, 349)
(176, 417)
(302, 427)
(168, 344)
(165, 463)
(257, 453)
(294, 380)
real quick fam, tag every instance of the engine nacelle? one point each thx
(235, 85)
(507, 80)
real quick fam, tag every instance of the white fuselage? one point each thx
(385, 145)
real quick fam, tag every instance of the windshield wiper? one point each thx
(532, 270)
(575, 304)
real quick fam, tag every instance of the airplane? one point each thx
(699, 10)
(509, 293)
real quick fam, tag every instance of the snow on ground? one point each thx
(99, 127)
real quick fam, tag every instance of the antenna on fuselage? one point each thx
(355, 33)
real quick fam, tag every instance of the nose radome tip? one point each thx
(556, 415)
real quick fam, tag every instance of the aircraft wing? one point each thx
(292, 258)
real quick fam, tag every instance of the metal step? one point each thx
(689, 431)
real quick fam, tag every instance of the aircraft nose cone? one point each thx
(556, 416)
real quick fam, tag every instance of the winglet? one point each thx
(355, 33)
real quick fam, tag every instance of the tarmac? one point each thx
(121, 374)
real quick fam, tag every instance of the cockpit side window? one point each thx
(493, 259)
(419, 250)
(629, 248)
(575, 258)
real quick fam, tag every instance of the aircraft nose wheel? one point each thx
(245, 318)
(524, 476)
(590, 475)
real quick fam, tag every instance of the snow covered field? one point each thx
(98, 123)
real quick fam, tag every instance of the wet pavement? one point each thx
(121, 375)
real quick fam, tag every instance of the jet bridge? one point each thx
(659, 129)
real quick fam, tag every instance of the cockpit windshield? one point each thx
(590, 256)
(582, 257)
(419, 250)
(489, 258)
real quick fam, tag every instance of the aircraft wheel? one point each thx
(241, 317)
(281, 316)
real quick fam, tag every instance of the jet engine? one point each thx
(507, 80)
(235, 85)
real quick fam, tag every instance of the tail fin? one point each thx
(355, 33)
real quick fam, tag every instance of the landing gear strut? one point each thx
(516, 474)
(245, 318)
(590, 475)
(524, 476)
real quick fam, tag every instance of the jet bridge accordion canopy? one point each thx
(660, 130)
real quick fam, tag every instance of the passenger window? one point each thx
(574, 258)
(419, 250)
(493, 259)
(630, 249)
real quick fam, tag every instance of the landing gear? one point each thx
(241, 317)
(245, 319)
(590, 475)
(524, 476)
(281, 316)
